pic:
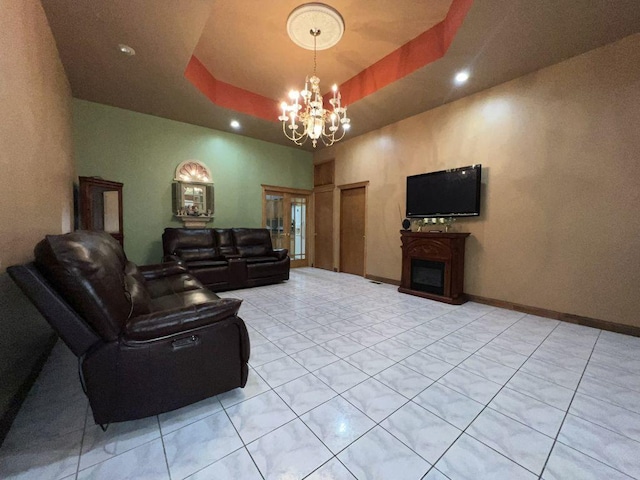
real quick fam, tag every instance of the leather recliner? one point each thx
(149, 339)
(227, 258)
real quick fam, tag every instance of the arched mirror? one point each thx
(193, 194)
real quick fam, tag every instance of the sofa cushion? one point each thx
(252, 242)
(183, 299)
(207, 264)
(173, 284)
(197, 254)
(139, 296)
(252, 260)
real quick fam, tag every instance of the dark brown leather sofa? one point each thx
(227, 258)
(149, 339)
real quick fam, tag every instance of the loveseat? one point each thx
(227, 258)
(149, 339)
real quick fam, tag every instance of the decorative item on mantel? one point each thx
(192, 194)
(431, 224)
(314, 26)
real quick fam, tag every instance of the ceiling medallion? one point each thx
(314, 26)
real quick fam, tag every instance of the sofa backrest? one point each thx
(252, 242)
(226, 244)
(190, 244)
(87, 270)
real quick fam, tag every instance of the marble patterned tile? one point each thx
(560, 359)
(378, 455)
(502, 356)
(332, 470)
(367, 337)
(394, 349)
(256, 338)
(523, 348)
(488, 369)
(280, 371)
(53, 457)
(340, 375)
(315, 357)
(457, 409)
(98, 446)
(471, 385)
(277, 331)
(291, 451)
(425, 433)
(344, 327)
(463, 343)
(435, 474)
(321, 334)
(525, 409)
(343, 346)
(199, 444)
(369, 361)
(235, 466)
(614, 375)
(414, 340)
(404, 380)
(144, 462)
(522, 444)
(337, 423)
(609, 392)
(469, 459)
(305, 393)
(446, 352)
(541, 389)
(176, 419)
(387, 329)
(374, 399)
(255, 386)
(293, 343)
(259, 415)
(427, 365)
(607, 415)
(552, 373)
(568, 464)
(267, 352)
(610, 448)
(304, 324)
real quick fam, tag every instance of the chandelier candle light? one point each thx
(305, 117)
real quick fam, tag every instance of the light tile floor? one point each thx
(351, 379)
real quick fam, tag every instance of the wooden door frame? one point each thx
(349, 186)
(309, 214)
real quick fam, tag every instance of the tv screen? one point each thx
(449, 193)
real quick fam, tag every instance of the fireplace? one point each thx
(433, 265)
(427, 276)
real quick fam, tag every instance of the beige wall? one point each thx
(560, 151)
(36, 164)
(36, 175)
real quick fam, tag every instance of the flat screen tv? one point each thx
(448, 193)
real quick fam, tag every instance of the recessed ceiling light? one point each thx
(126, 49)
(461, 77)
(235, 124)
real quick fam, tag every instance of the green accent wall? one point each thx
(143, 151)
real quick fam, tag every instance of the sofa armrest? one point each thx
(172, 258)
(159, 270)
(280, 253)
(161, 324)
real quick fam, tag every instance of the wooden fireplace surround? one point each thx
(447, 248)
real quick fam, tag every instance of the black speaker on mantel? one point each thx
(406, 224)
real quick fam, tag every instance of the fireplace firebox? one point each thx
(427, 276)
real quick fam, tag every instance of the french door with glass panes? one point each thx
(285, 213)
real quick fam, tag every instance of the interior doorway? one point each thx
(323, 222)
(285, 213)
(352, 228)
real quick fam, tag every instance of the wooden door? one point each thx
(323, 245)
(352, 230)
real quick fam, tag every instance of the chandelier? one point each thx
(306, 117)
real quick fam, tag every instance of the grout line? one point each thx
(164, 449)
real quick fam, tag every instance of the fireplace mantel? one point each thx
(446, 249)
